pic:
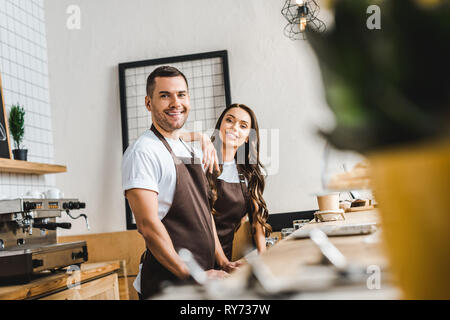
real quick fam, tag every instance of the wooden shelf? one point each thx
(17, 166)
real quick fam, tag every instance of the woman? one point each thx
(238, 186)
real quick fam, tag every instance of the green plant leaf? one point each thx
(17, 124)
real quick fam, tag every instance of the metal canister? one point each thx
(297, 224)
(270, 241)
(285, 232)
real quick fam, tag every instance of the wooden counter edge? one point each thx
(56, 282)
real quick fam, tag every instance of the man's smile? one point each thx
(175, 113)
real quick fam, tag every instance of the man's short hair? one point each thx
(164, 72)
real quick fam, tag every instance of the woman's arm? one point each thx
(210, 158)
(260, 232)
(259, 236)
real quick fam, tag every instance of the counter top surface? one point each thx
(292, 257)
(289, 254)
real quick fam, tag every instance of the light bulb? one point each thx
(300, 2)
(302, 24)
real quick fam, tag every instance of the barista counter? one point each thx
(360, 249)
(293, 269)
(94, 281)
(289, 256)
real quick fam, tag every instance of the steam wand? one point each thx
(79, 216)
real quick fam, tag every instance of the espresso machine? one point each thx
(28, 243)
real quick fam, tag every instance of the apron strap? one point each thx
(190, 151)
(247, 200)
(244, 191)
(166, 144)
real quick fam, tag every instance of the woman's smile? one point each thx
(231, 135)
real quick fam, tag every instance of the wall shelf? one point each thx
(17, 166)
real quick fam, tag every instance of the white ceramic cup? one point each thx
(34, 195)
(54, 194)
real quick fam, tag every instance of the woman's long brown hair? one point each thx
(248, 163)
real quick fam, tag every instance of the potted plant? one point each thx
(389, 90)
(17, 128)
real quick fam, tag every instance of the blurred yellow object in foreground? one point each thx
(412, 187)
(429, 3)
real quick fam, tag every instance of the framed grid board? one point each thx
(209, 89)
(5, 150)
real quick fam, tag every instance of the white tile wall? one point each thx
(24, 72)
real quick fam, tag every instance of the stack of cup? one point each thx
(328, 208)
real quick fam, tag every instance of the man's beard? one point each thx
(165, 124)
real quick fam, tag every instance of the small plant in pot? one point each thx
(17, 128)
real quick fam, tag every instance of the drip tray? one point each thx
(21, 264)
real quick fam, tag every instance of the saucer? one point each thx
(330, 215)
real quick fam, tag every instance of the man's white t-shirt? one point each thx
(147, 164)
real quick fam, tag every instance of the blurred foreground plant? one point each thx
(391, 86)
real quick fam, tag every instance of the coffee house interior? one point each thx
(354, 126)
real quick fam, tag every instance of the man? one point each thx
(167, 189)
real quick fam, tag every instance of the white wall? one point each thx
(277, 77)
(24, 73)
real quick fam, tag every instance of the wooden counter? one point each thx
(94, 281)
(289, 256)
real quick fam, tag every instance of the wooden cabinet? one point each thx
(106, 288)
(125, 246)
(93, 281)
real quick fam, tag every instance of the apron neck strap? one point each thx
(244, 189)
(241, 175)
(166, 144)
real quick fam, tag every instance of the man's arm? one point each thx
(144, 204)
(221, 258)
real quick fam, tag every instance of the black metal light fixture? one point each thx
(301, 14)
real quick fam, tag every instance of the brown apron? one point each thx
(188, 223)
(231, 206)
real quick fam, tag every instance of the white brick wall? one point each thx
(24, 72)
